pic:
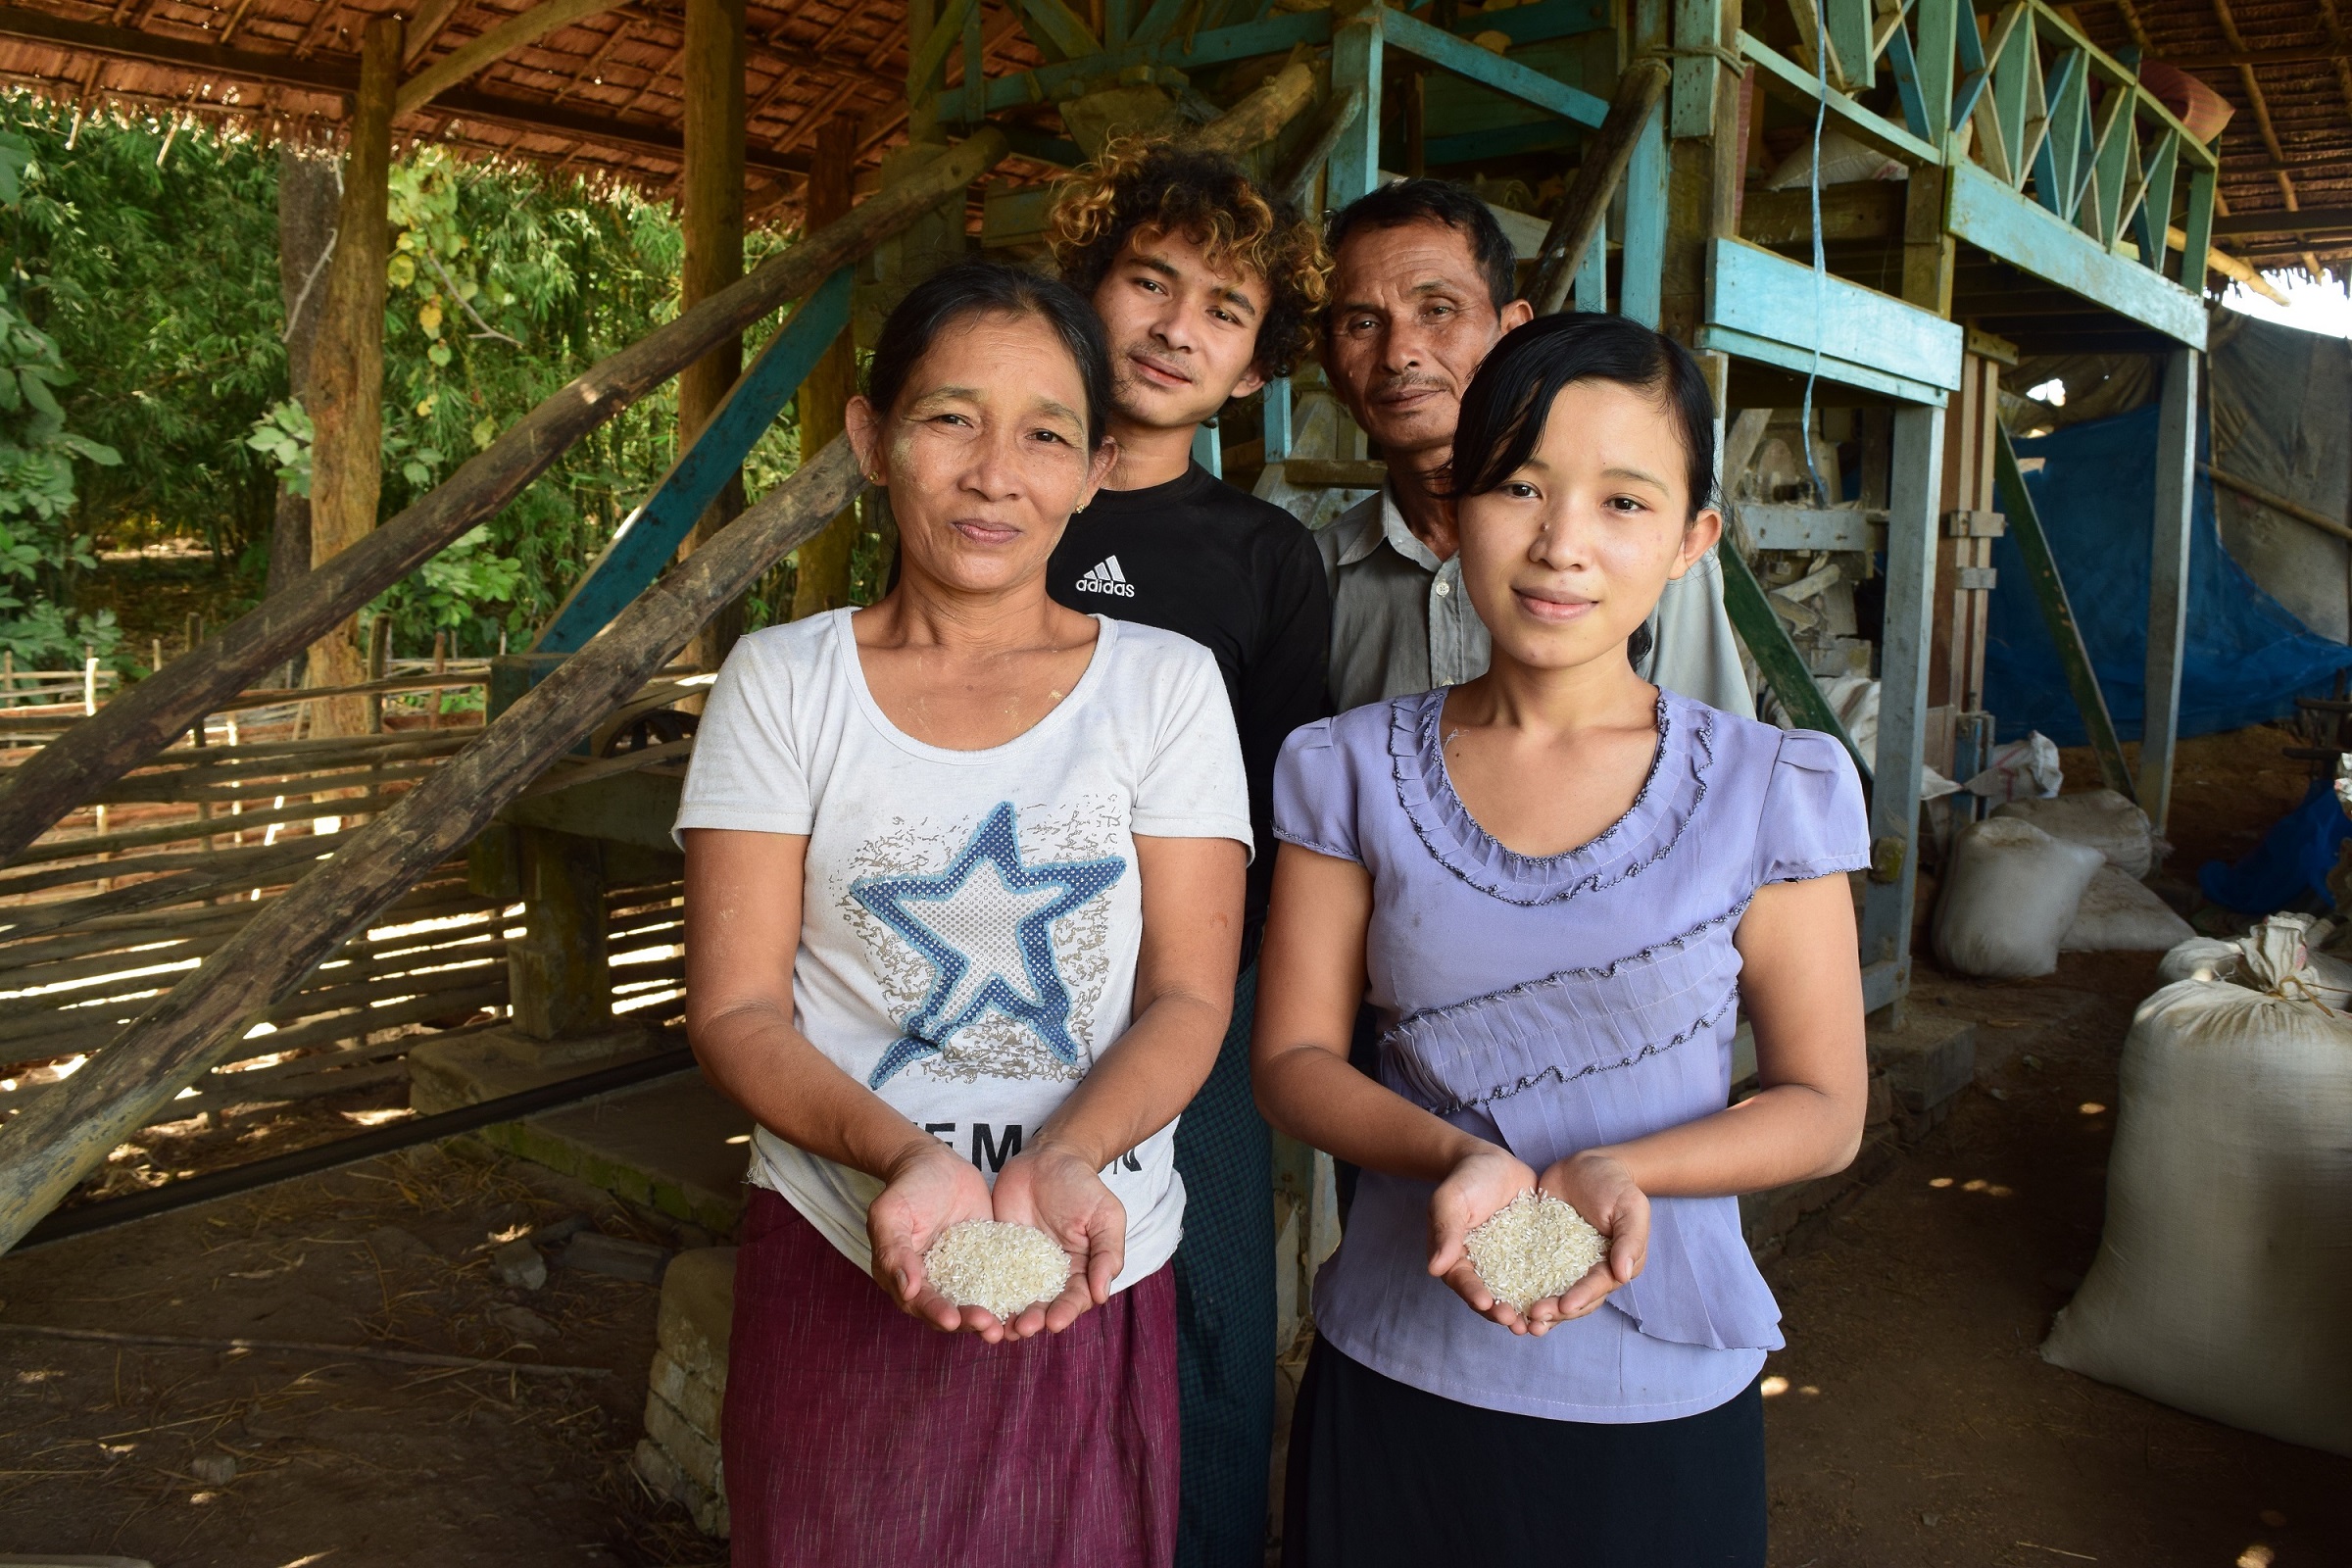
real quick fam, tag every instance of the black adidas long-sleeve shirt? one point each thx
(1236, 575)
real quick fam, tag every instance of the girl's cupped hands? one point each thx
(1488, 1178)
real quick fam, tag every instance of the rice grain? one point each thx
(1532, 1248)
(1000, 1267)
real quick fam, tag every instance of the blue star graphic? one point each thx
(966, 987)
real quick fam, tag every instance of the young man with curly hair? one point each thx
(1208, 286)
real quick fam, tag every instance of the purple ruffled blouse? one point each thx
(1550, 1003)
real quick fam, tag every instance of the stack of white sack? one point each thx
(2041, 876)
(2224, 1279)
(2119, 913)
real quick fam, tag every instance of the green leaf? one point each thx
(37, 393)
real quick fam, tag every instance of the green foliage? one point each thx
(283, 435)
(504, 284)
(40, 548)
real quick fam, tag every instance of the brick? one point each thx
(1927, 1063)
(695, 1453)
(660, 1472)
(698, 1311)
(694, 1396)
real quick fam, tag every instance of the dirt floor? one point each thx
(1918, 1424)
(188, 1456)
(1914, 1422)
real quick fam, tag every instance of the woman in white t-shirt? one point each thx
(964, 902)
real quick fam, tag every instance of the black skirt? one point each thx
(1384, 1473)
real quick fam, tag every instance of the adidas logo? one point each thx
(1106, 578)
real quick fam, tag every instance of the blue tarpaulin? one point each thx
(2247, 657)
(2289, 868)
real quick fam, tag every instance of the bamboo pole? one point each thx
(346, 395)
(711, 63)
(1586, 209)
(145, 718)
(821, 581)
(2279, 504)
(1260, 117)
(52, 1145)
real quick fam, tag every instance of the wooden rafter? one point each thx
(480, 52)
(336, 74)
(596, 62)
(2255, 100)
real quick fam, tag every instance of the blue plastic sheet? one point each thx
(2247, 657)
(2288, 869)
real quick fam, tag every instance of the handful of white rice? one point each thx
(1000, 1267)
(1534, 1247)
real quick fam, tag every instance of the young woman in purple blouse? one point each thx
(1559, 886)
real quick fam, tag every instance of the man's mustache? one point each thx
(1407, 381)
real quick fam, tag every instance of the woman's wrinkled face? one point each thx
(986, 455)
(1568, 556)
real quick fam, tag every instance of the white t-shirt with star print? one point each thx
(970, 920)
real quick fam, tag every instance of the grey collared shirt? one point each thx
(1399, 619)
(1400, 622)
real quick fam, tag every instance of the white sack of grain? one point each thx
(2217, 959)
(2224, 1279)
(2199, 959)
(2120, 914)
(2010, 895)
(2101, 818)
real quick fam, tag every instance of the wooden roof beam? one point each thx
(338, 76)
(478, 53)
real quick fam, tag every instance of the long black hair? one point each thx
(1507, 402)
(965, 290)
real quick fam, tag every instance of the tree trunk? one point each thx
(306, 231)
(822, 581)
(347, 365)
(712, 221)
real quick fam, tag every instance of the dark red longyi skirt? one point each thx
(855, 1436)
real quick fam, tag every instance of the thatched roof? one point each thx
(2285, 67)
(602, 95)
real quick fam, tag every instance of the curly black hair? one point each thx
(1159, 184)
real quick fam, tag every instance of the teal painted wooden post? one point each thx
(2168, 584)
(1593, 275)
(1641, 289)
(1697, 25)
(645, 542)
(975, 71)
(2152, 218)
(2196, 232)
(1913, 490)
(1208, 450)
(1356, 62)
(1276, 418)
(1848, 24)
(1933, 47)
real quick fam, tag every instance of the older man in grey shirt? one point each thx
(1421, 292)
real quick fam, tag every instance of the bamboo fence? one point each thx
(112, 907)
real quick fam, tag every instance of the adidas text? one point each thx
(1106, 578)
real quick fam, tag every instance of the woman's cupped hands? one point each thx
(1488, 1178)
(1046, 1187)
